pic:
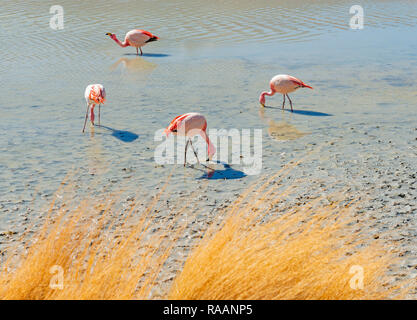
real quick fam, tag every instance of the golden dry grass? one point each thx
(287, 258)
(97, 262)
(253, 253)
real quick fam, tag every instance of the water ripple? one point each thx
(26, 32)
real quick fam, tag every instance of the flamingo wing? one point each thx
(96, 93)
(174, 123)
(93, 94)
(298, 82)
(150, 35)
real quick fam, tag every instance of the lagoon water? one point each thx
(358, 126)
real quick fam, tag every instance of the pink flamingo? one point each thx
(283, 84)
(94, 94)
(135, 38)
(189, 125)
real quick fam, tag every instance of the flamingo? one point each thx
(283, 84)
(134, 38)
(189, 125)
(94, 94)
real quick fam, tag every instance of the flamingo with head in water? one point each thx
(283, 84)
(189, 125)
(94, 94)
(135, 38)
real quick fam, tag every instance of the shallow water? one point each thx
(213, 58)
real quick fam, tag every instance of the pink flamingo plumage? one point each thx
(94, 94)
(135, 38)
(189, 125)
(283, 84)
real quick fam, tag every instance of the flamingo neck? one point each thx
(211, 149)
(263, 94)
(269, 93)
(122, 44)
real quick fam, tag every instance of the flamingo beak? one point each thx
(262, 105)
(108, 34)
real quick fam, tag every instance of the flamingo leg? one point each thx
(86, 117)
(141, 53)
(92, 114)
(195, 153)
(99, 106)
(283, 103)
(290, 102)
(137, 51)
(185, 153)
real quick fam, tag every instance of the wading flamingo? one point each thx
(189, 125)
(283, 84)
(94, 94)
(135, 38)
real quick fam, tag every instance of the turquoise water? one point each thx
(212, 58)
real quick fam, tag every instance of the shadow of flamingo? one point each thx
(310, 113)
(227, 173)
(152, 55)
(303, 112)
(125, 136)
